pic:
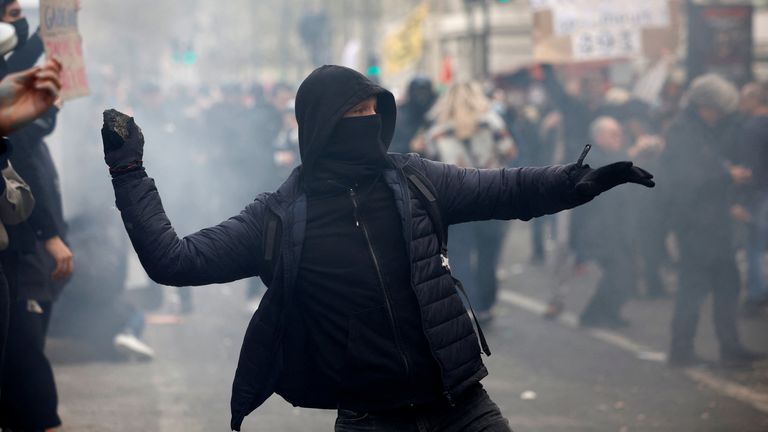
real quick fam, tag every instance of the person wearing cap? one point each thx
(700, 180)
(361, 314)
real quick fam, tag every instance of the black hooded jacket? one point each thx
(277, 353)
(353, 289)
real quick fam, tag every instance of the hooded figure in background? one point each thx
(413, 119)
(361, 313)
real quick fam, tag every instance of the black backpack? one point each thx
(428, 196)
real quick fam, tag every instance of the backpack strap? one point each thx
(428, 196)
(271, 245)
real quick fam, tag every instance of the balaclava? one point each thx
(334, 147)
(354, 149)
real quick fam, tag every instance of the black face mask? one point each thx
(22, 32)
(354, 150)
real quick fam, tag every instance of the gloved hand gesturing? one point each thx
(590, 183)
(123, 143)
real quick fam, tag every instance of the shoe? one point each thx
(604, 322)
(741, 357)
(686, 360)
(484, 317)
(754, 308)
(186, 306)
(132, 347)
(554, 309)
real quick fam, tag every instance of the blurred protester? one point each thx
(412, 120)
(702, 180)
(523, 110)
(605, 234)
(16, 204)
(669, 100)
(649, 228)
(578, 106)
(28, 48)
(362, 314)
(274, 134)
(153, 107)
(36, 260)
(27, 95)
(754, 156)
(286, 146)
(468, 133)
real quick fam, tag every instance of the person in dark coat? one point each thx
(754, 156)
(606, 232)
(702, 180)
(40, 258)
(361, 313)
(413, 120)
(24, 101)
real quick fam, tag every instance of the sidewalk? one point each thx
(530, 287)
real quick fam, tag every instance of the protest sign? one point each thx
(584, 30)
(62, 40)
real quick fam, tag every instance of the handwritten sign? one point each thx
(62, 40)
(585, 30)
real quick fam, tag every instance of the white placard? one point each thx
(576, 16)
(603, 43)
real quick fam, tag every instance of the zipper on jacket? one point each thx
(388, 303)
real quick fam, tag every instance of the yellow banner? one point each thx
(405, 46)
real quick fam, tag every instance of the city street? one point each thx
(546, 376)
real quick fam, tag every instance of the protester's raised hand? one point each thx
(592, 182)
(123, 142)
(25, 96)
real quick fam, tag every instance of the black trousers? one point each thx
(474, 412)
(613, 289)
(28, 401)
(5, 310)
(698, 278)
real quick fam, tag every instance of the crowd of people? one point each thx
(705, 139)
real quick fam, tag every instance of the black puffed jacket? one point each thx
(274, 355)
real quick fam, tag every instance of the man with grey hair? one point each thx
(603, 235)
(701, 179)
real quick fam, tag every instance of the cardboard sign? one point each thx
(62, 40)
(584, 30)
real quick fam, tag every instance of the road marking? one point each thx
(701, 376)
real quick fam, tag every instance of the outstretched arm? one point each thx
(226, 252)
(469, 194)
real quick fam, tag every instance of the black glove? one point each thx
(590, 183)
(123, 143)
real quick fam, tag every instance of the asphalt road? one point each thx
(572, 382)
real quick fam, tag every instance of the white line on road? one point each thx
(720, 385)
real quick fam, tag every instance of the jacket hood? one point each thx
(323, 99)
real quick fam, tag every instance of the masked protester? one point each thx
(361, 313)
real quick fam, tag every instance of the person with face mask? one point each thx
(28, 48)
(361, 314)
(413, 122)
